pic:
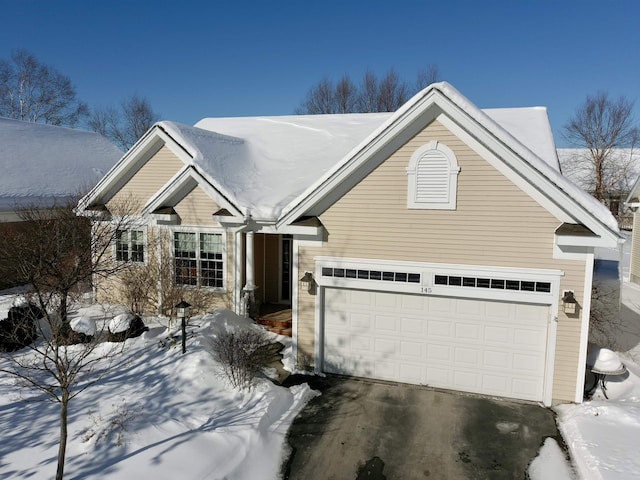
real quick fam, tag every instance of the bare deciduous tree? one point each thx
(392, 92)
(371, 95)
(58, 255)
(126, 124)
(34, 92)
(602, 127)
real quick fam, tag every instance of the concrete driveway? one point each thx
(361, 429)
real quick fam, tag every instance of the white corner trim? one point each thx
(584, 327)
(295, 295)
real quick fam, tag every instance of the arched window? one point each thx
(432, 178)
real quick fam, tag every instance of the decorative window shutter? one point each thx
(432, 178)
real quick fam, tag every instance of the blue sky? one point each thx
(195, 59)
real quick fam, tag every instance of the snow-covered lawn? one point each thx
(159, 414)
(163, 415)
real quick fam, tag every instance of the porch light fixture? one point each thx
(306, 282)
(569, 303)
(182, 312)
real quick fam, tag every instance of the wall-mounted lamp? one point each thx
(569, 302)
(306, 282)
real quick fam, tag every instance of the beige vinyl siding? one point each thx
(495, 223)
(197, 208)
(634, 269)
(146, 182)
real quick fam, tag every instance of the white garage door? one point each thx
(481, 346)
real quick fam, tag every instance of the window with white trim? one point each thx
(130, 246)
(199, 259)
(432, 178)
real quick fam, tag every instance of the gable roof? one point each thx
(535, 167)
(45, 164)
(278, 169)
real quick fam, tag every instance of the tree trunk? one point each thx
(63, 307)
(62, 446)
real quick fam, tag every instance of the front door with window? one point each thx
(285, 268)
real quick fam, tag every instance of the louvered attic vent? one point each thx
(432, 178)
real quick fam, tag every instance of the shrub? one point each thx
(19, 329)
(243, 354)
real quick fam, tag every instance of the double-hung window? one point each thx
(130, 246)
(199, 259)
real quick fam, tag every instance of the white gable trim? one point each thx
(179, 187)
(533, 182)
(148, 145)
(415, 115)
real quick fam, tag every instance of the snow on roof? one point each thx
(263, 164)
(280, 156)
(552, 173)
(530, 125)
(42, 164)
(266, 162)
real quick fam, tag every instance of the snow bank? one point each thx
(550, 463)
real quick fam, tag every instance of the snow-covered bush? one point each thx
(83, 330)
(242, 354)
(125, 325)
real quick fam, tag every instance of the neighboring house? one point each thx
(44, 165)
(633, 203)
(576, 164)
(433, 245)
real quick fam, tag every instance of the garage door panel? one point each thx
(468, 356)
(386, 322)
(440, 328)
(496, 359)
(480, 346)
(468, 331)
(440, 305)
(528, 338)
(440, 353)
(497, 335)
(468, 381)
(412, 325)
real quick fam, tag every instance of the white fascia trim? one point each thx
(584, 327)
(523, 174)
(581, 241)
(151, 141)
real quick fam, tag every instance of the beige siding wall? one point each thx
(634, 268)
(157, 276)
(495, 223)
(147, 181)
(197, 208)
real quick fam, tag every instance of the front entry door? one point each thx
(285, 268)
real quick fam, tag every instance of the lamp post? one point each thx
(182, 312)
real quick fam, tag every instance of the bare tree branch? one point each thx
(34, 92)
(602, 126)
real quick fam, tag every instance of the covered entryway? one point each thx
(475, 345)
